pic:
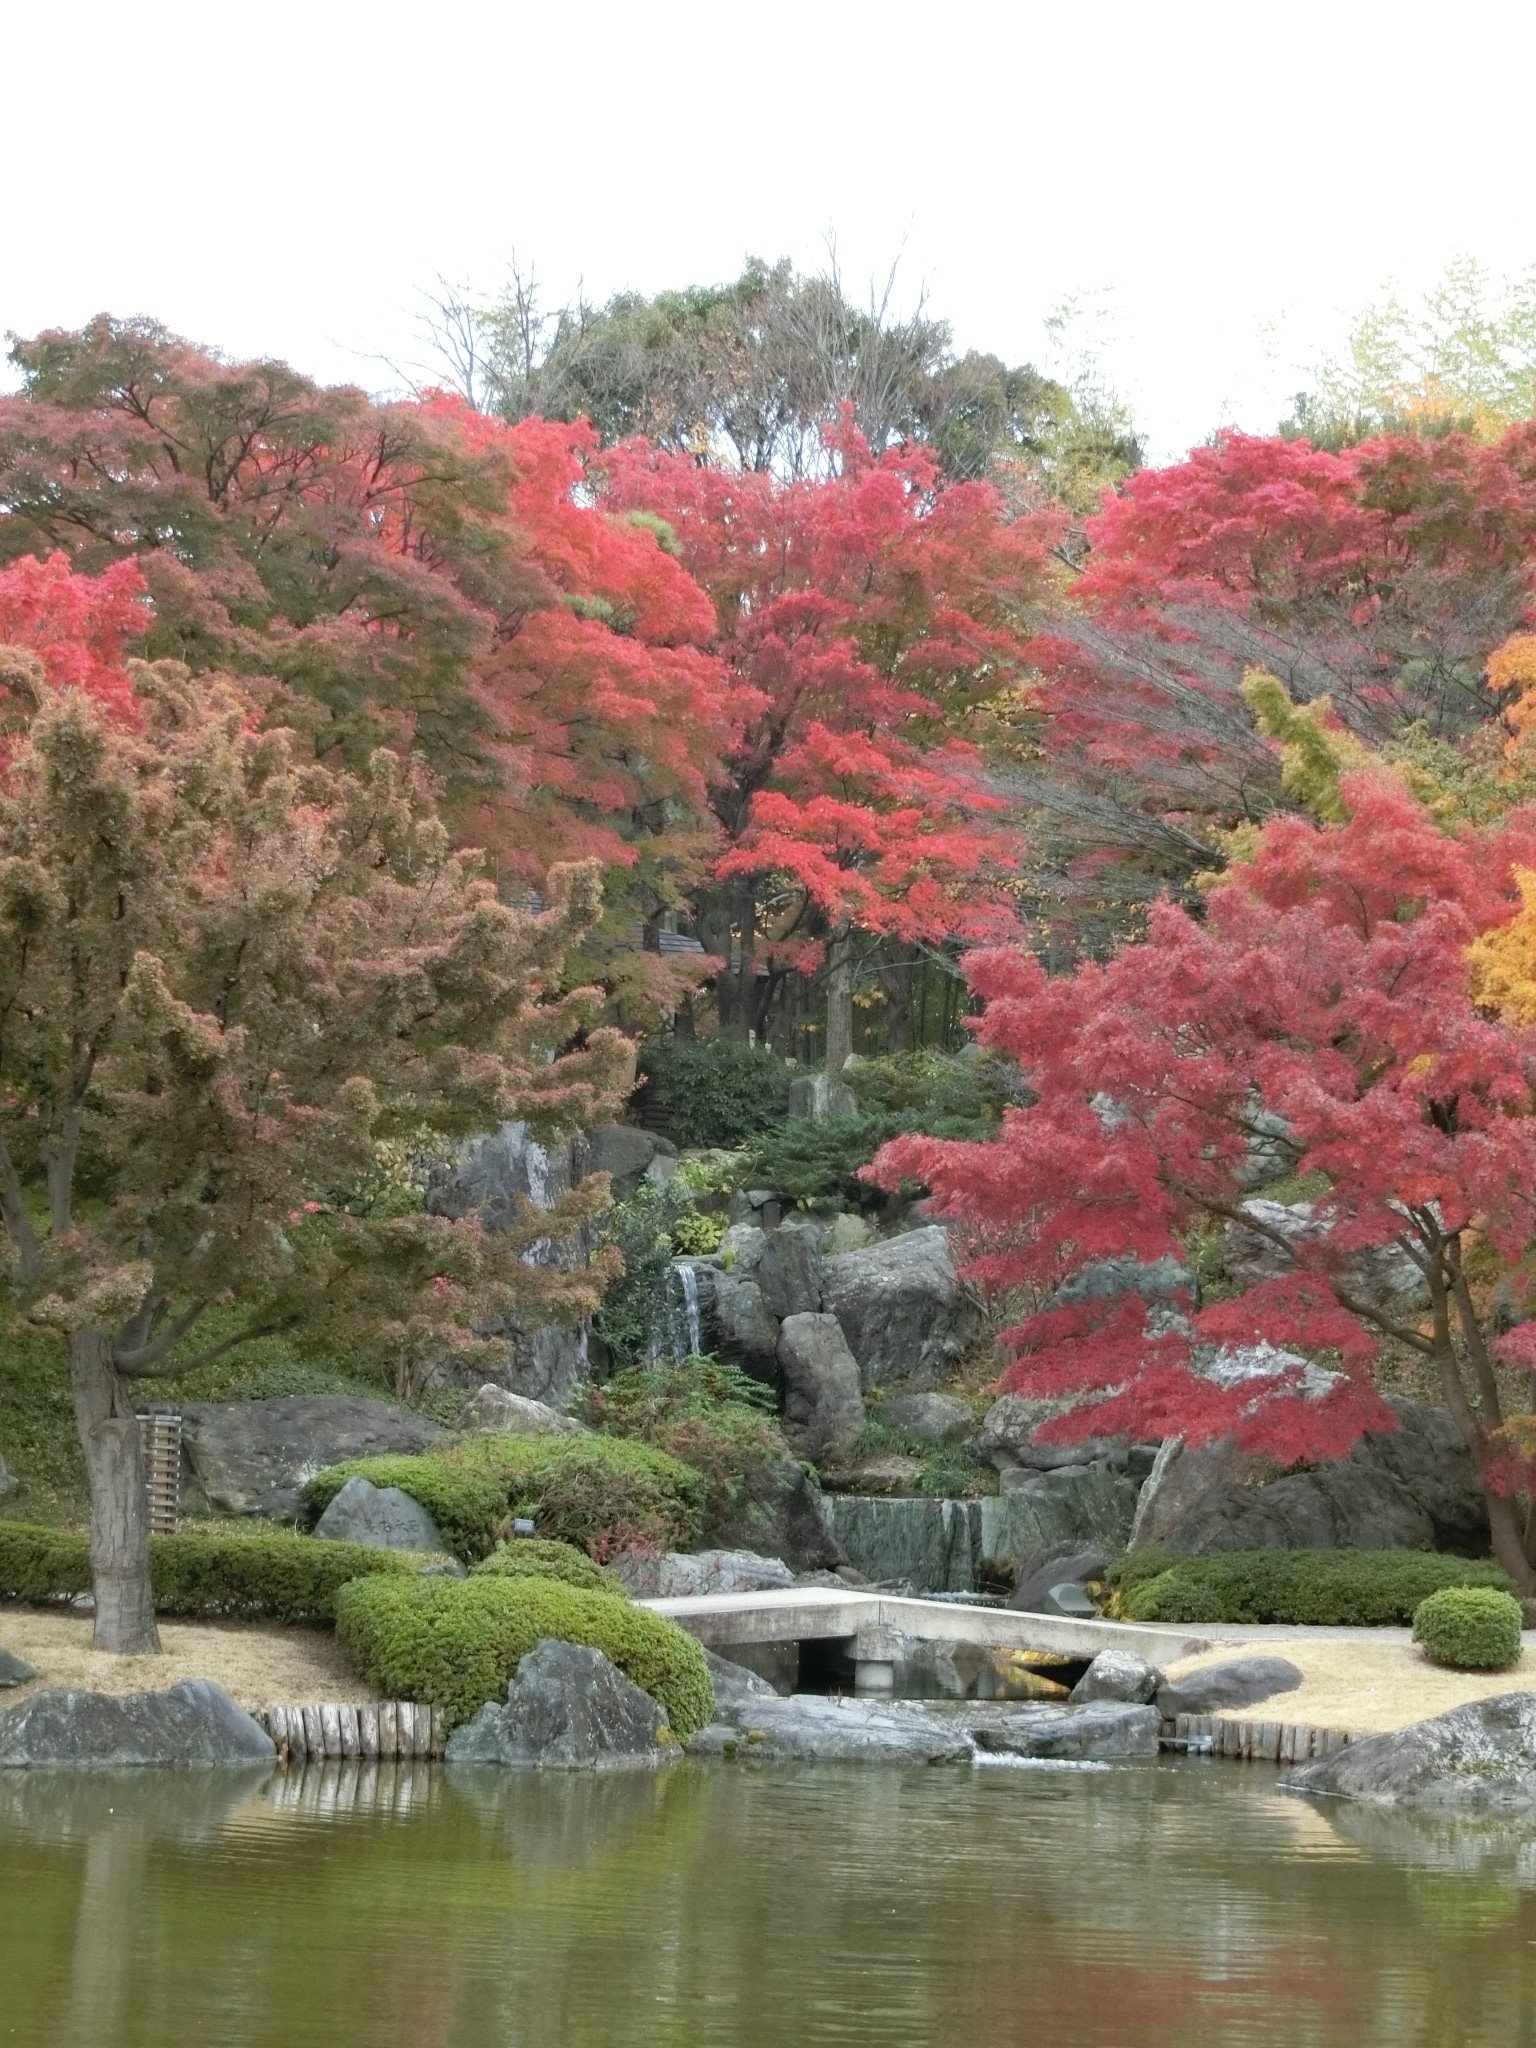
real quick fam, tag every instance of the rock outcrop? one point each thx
(498, 1177)
(1479, 1758)
(930, 1418)
(677, 1574)
(1412, 1488)
(567, 1708)
(493, 1411)
(255, 1457)
(808, 1728)
(194, 1724)
(1385, 1277)
(823, 1405)
(907, 1318)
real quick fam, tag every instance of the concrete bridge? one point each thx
(880, 1626)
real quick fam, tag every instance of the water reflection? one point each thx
(1159, 1906)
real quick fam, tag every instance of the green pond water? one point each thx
(1146, 1907)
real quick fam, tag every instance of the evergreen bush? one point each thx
(456, 1643)
(530, 1557)
(1332, 1588)
(704, 1411)
(591, 1491)
(713, 1091)
(1469, 1628)
(267, 1577)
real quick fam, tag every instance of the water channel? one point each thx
(1186, 1904)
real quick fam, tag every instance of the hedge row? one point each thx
(578, 1489)
(456, 1642)
(1336, 1588)
(243, 1578)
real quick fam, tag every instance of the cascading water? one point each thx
(690, 1284)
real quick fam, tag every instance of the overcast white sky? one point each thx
(280, 178)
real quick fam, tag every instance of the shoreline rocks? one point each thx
(1478, 1758)
(195, 1725)
(1235, 1682)
(812, 1728)
(567, 1708)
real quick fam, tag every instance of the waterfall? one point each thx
(691, 1310)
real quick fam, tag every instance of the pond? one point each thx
(1186, 1904)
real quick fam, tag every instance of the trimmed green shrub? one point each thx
(713, 1091)
(274, 1577)
(456, 1642)
(530, 1557)
(469, 1506)
(585, 1490)
(1333, 1588)
(1469, 1628)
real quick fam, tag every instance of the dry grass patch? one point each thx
(260, 1664)
(1360, 1685)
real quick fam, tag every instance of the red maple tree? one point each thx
(863, 618)
(1382, 576)
(1328, 985)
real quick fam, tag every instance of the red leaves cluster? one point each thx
(1327, 984)
(76, 626)
(861, 617)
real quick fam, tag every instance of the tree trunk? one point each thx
(1508, 1544)
(839, 1043)
(114, 1471)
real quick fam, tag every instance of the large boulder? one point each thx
(1092, 1731)
(809, 1728)
(930, 1418)
(906, 1316)
(735, 1686)
(256, 1457)
(789, 1271)
(1386, 1277)
(494, 1412)
(14, 1670)
(1007, 1438)
(1411, 1488)
(823, 1407)
(1065, 1563)
(629, 1155)
(567, 1708)
(1118, 1675)
(196, 1723)
(1089, 1506)
(743, 1324)
(379, 1515)
(1235, 1682)
(741, 1249)
(1160, 1282)
(775, 1509)
(678, 1574)
(1479, 1758)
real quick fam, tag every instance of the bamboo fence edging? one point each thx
(392, 1731)
(1266, 1742)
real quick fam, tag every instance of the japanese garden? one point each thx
(767, 1158)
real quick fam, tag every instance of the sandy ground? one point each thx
(1364, 1682)
(261, 1666)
